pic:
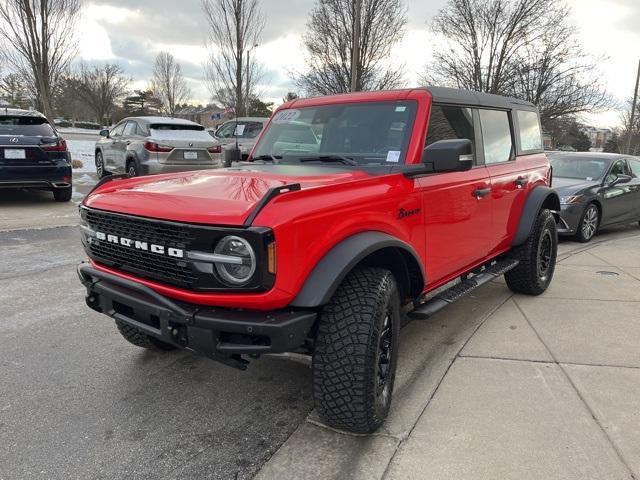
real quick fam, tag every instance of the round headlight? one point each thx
(241, 264)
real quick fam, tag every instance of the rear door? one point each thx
(512, 176)
(457, 205)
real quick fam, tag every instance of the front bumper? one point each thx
(570, 216)
(221, 334)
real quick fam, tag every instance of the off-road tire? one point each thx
(527, 277)
(580, 235)
(349, 390)
(141, 339)
(62, 194)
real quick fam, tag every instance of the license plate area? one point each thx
(190, 155)
(15, 154)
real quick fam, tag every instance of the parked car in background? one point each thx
(148, 145)
(33, 154)
(244, 130)
(596, 189)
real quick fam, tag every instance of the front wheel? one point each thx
(356, 351)
(589, 223)
(537, 257)
(100, 168)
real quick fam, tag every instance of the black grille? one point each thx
(160, 267)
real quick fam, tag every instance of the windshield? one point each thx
(27, 126)
(364, 133)
(580, 168)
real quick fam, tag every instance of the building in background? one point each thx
(210, 116)
(598, 137)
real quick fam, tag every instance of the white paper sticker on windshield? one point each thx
(589, 179)
(286, 116)
(401, 109)
(239, 130)
(393, 156)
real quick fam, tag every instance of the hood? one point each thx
(214, 197)
(570, 186)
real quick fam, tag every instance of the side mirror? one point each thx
(104, 133)
(621, 179)
(449, 155)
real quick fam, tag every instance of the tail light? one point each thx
(215, 149)
(59, 146)
(155, 147)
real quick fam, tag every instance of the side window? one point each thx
(226, 130)
(529, 131)
(635, 167)
(130, 129)
(496, 136)
(619, 168)
(450, 123)
(117, 130)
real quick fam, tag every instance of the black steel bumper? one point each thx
(220, 334)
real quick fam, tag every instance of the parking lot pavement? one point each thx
(78, 401)
(508, 387)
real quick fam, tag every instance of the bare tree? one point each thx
(169, 83)
(329, 44)
(235, 28)
(12, 89)
(100, 88)
(524, 48)
(38, 42)
(629, 130)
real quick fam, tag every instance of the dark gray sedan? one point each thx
(596, 190)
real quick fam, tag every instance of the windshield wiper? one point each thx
(268, 158)
(331, 158)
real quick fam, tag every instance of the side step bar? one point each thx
(479, 277)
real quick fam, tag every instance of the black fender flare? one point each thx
(539, 198)
(330, 271)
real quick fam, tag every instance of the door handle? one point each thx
(521, 182)
(128, 142)
(481, 192)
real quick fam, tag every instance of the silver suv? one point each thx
(244, 130)
(148, 145)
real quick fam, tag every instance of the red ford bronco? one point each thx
(352, 212)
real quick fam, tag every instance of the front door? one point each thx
(618, 199)
(457, 206)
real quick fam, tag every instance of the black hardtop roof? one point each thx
(468, 97)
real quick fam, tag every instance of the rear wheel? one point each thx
(141, 339)
(356, 351)
(62, 194)
(589, 223)
(100, 170)
(537, 257)
(132, 169)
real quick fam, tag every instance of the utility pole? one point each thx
(247, 80)
(633, 112)
(355, 57)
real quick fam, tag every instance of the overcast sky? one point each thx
(131, 33)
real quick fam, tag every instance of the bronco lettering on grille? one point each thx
(139, 245)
